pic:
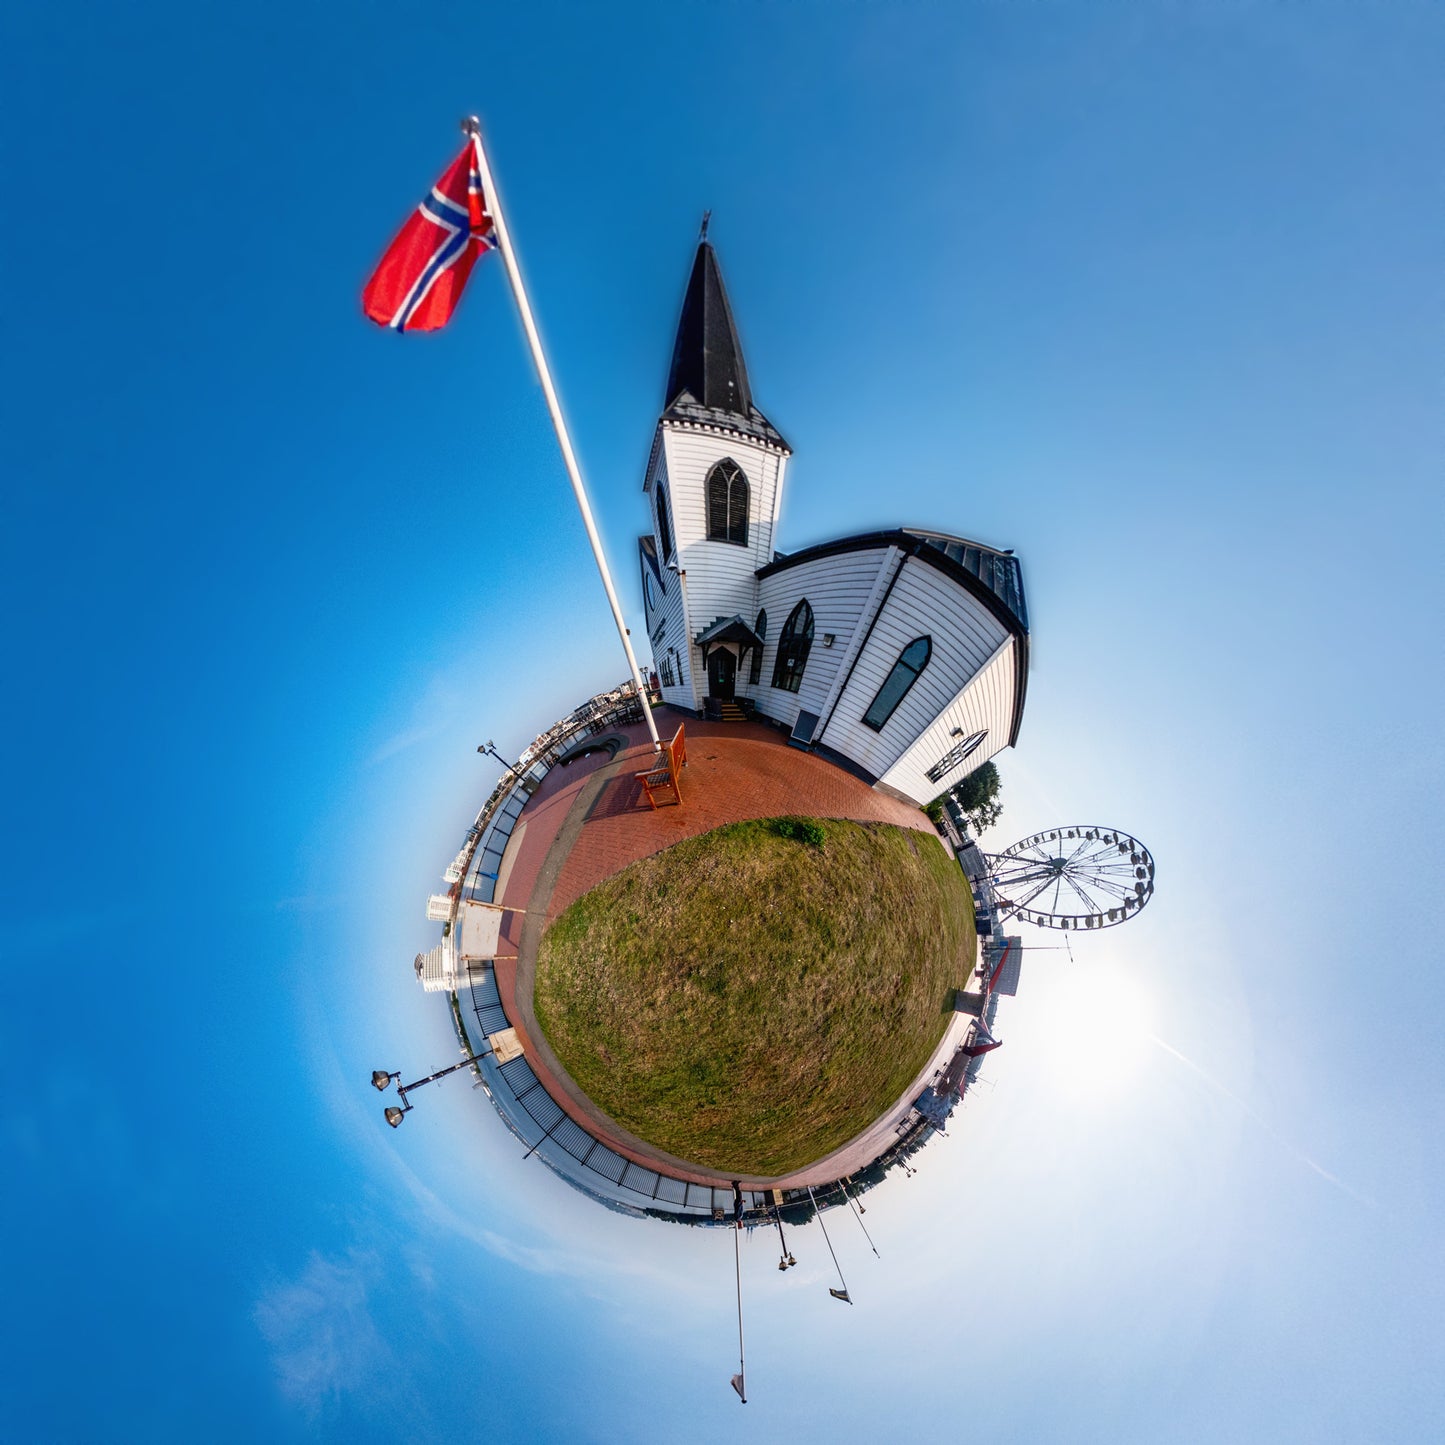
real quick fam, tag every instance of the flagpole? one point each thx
(493, 205)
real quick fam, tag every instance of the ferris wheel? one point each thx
(1074, 877)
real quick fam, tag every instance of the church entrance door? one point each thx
(722, 673)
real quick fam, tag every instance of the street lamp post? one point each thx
(786, 1260)
(490, 747)
(382, 1080)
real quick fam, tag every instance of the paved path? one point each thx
(734, 772)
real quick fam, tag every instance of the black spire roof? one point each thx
(708, 380)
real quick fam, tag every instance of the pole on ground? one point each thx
(739, 1381)
(858, 1215)
(559, 423)
(841, 1294)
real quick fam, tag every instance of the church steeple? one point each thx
(708, 374)
(707, 359)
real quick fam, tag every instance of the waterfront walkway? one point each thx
(589, 820)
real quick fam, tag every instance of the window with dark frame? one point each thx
(755, 670)
(906, 671)
(794, 643)
(955, 755)
(664, 522)
(727, 503)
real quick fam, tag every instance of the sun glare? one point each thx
(1084, 1026)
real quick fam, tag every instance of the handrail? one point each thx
(558, 1146)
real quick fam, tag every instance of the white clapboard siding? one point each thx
(691, 674)
(664, 619)
(667, 625)
(667, 631)
(656, 475)
(985, 705)
(964, 634)
(873, 601)
(887, 569)
(837, 588)
(758, 691)
(651, 614)
(721, 575)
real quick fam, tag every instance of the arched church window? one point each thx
(664, 523)
(727, 503)
(794, 643)
(911, 662)
(755, 670)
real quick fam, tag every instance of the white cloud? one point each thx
(407, 738)
(594, 1272)
(323, 1339)
(432, 713)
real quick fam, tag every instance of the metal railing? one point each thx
(532, 1115)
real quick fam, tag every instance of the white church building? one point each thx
(900, 655)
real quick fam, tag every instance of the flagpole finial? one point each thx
(702, 234)
(471, 125)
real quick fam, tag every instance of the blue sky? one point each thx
(1149, 292)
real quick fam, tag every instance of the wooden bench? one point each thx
(664, 771)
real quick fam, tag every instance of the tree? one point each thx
(976, 797)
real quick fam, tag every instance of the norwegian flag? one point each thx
(419, 281)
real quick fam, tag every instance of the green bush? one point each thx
(801, 830)
(976, 797)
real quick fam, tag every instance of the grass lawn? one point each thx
(748, 1001)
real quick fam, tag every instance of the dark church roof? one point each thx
(708, 379)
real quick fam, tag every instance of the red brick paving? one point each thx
(732, 774)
